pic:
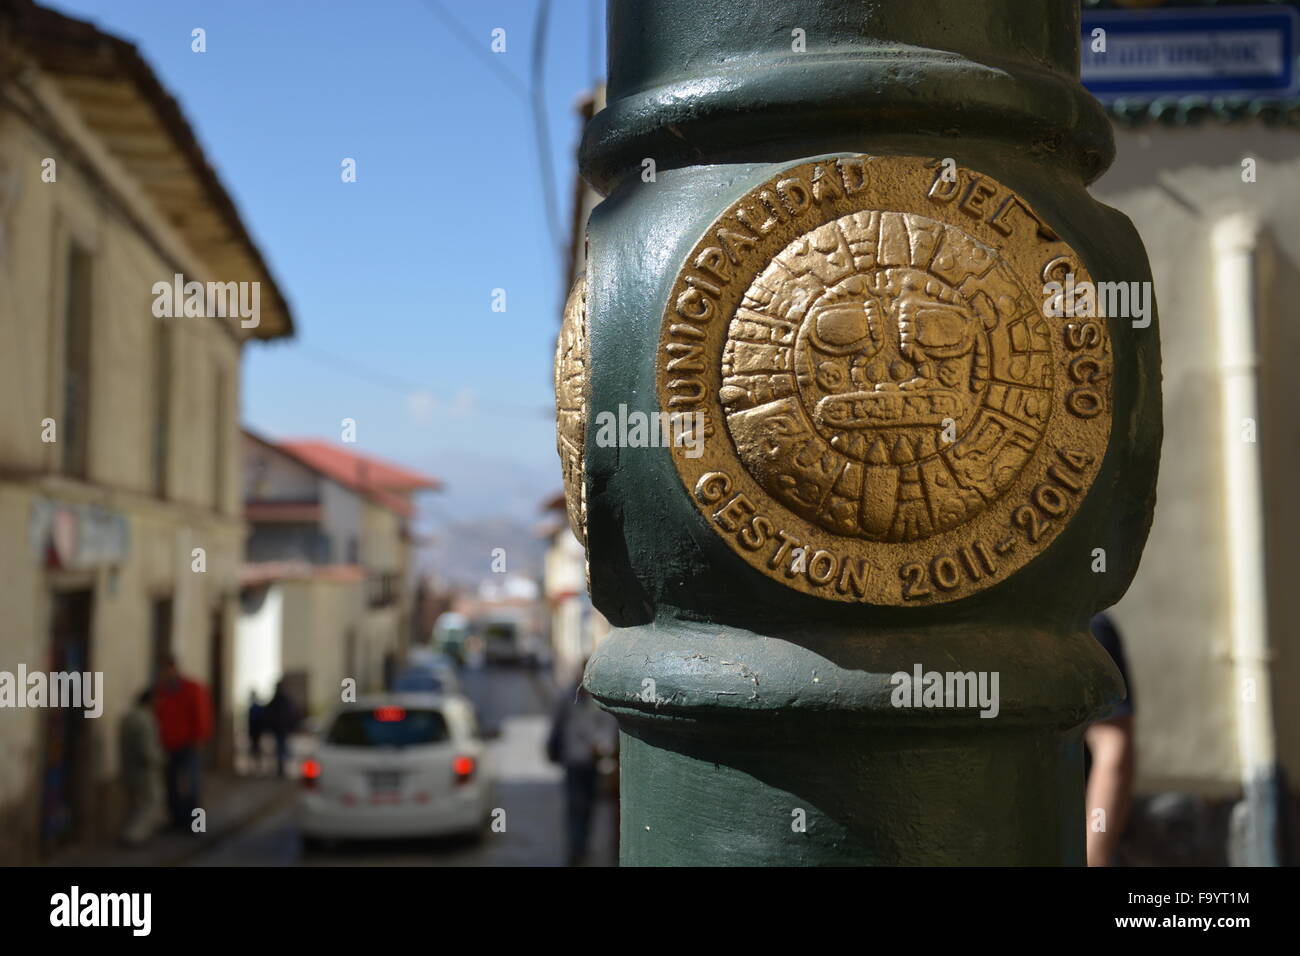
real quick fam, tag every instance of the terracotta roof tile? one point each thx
(386, 484)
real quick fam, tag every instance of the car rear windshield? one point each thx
(388, 727)
(418, 680)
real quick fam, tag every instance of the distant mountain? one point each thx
(461, 552)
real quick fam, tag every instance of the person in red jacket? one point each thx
(184, 713)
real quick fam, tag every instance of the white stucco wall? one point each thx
(257, 659)
(1175, 183)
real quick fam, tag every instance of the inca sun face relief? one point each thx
(893, 412)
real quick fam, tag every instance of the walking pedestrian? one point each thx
(184, 713)
(581, 735)
(141, 755)
(281, 718)
(256, 729)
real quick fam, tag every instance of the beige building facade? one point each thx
(119, 457)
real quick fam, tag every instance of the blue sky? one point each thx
(391, 277)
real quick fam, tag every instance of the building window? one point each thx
(322, 548)
(162, 393)
(160, 634)
(75, 426)
(381, 588)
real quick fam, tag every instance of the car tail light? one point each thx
(310, 773)
(463, 768)
(390, 715)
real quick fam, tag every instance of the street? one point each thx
(528, 789)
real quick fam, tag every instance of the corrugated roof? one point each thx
(1195, 110)
(120, 98)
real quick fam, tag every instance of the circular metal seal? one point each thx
(571, 386)
(887, 379)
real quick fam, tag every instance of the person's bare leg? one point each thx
(1110, 785)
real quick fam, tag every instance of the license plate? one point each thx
(385, 782)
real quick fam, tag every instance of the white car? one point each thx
(396, 765)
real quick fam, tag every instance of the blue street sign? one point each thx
(1230, 51)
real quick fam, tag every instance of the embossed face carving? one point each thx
(885, 377)
(885, 359)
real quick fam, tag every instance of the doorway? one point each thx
(221, 734)
(65, 773)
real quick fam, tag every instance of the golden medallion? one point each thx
(899, 404)
(571, 359)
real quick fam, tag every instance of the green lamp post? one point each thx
(856, 428)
